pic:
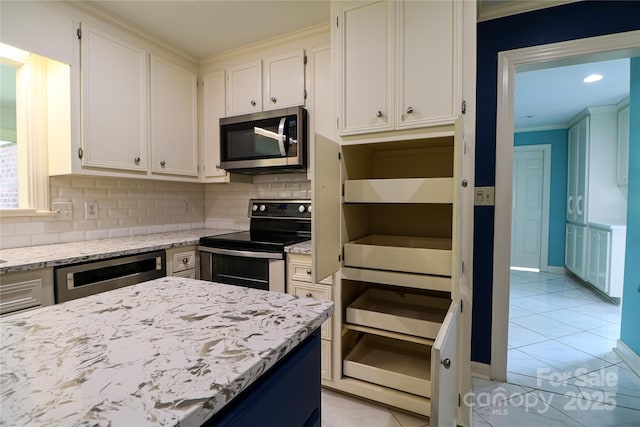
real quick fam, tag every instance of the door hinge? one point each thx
(459, 400)
(79, 33)
(461, 306)
(337, 21)
(80, 153)
(462, 268)
(337, 123)
(343, 189)
(339, 257)
(464, 107)
(305, 60)
(305, 94)
(339, 156)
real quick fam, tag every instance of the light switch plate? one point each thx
(91, 210)
(484, 196)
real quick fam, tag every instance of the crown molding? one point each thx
(494, 10)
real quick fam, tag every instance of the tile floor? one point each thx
(561, 369)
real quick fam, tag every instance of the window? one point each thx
(30, 85)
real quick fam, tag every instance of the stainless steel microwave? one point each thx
(267, 142)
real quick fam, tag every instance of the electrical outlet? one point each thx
(63, 210)
(91, 210)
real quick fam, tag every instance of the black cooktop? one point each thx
(254, 240)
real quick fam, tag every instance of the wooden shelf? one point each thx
(391, 363)
(410, 314)
(406, 190)
(423, 255)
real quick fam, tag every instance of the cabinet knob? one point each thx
(137, 160)
(185, 261)
(464, 183)
(409, 110)
(309, 295)
(309, 272)
(253, 103)
(446, 363)
(163, 163)
(378, 113)
(273, 100)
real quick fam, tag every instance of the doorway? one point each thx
(537, 57)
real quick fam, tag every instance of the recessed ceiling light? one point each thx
(593, 78)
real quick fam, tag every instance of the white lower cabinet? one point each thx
(26, 290)
(606, 254)
(182, 262)
(575, 249)
(299, 283)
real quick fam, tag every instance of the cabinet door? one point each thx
(214, 108)
(114, 102)
(582, 159)
(365, 64)
(284, 81)
(244, 89)
(444, 371)
(426, 73)
(326, 200)
(603, 264)
(570, 247)
(173, 119)
(580, 251)
(572, 173)
(623, 147)
(593, 256)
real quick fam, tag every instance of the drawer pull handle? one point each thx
(309, 295)
(446, 363)
(309, 272)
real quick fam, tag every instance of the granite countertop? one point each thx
(165, 352)
(303, 248)
(34, 257)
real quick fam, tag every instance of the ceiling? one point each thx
(552, 97)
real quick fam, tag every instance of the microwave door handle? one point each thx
(281, 136)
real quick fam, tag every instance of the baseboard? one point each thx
(556, 269)
(626, 354)
(481, 370)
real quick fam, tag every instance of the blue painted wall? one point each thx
(631, 293)
(558, 198)
(561, 23)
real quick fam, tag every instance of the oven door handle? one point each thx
(245, 254)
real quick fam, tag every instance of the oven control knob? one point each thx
(301, 208)
(254, 208)
(263, 208)
(309, 209)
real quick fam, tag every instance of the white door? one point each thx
(527, 208)
(444, 372)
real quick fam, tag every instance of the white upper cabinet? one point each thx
(114, 103)
(577, 172)
(366, 61)
(214, 109)
(398, 65)
(173, 119)
(244, 89)
(284, 81)
(426, 68)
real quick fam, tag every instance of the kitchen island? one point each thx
(170, 351)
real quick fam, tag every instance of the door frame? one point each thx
(546, 199)
(600, 48)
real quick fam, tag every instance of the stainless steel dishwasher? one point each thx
(92, 277)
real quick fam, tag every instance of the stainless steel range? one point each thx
(256, 258)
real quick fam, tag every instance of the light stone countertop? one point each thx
(304, 248)
(170, 351)
(34, 257)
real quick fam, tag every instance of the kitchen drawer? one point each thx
(300, 271)
(402, 312)
(184, 261)
(391, 363)
(310, 290)
(24, 290)
(326, 367)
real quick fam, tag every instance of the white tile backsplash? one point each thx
(129, 207)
